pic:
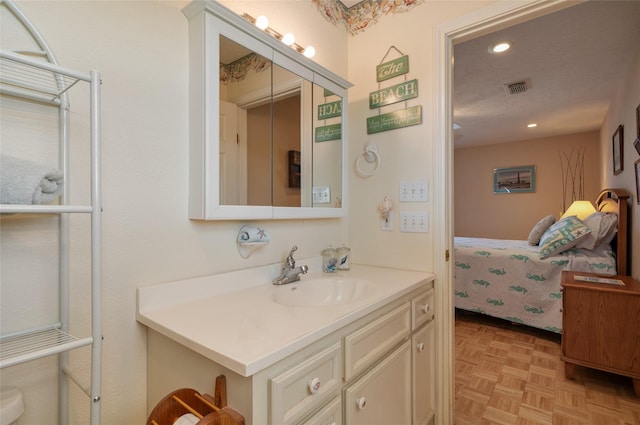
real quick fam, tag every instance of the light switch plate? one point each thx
(414, 191)
(321, 195)
(414, 221)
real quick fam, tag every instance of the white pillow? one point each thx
(539, 229)
(561, 236)
(603, 228)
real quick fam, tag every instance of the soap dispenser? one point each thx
(329, 260)
(344, 258)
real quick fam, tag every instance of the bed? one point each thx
(509, 280)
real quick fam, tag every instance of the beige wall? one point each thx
(148, 238)
(481, 213)
(622, 111)
(407, 153)
(141, 49)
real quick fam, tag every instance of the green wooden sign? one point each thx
(328, 132)
(392, 120)
(393, 94)
(330, 110)
(393, 68)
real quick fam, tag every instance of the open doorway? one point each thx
(447, 35)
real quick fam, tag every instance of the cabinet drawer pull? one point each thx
(361, 402)
(420, 346)
(426, 308)
(314, 385)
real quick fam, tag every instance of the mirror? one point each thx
(275, 149)
(280, 134)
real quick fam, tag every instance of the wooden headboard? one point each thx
(616, 201)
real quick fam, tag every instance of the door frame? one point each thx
(483, 21)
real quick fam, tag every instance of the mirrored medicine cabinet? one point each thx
(267, 124)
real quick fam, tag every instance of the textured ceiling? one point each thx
(574, 60)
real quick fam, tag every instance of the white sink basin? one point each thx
(323, 291)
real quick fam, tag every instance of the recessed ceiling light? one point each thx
(532, 125)
(499, 47)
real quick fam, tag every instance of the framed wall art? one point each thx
(638, 122)
(636, 143)
(618, 151)
(514, 179)
(637, 167)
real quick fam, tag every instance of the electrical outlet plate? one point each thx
(321, 195)
(414, 221)
(414, 191)
(387, 225)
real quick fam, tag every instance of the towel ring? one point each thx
(369, 154)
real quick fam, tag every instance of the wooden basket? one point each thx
(210, 410)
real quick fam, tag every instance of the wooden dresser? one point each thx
(601, 325)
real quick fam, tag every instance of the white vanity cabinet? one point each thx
(383, 394)
(304, 387)
(331, 414)
(423, 367)
(376, 369)
(423, 357)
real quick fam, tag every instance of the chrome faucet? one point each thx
(290, 273)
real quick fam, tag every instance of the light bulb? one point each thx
(288, 39)
(262, 22)
(309, 52)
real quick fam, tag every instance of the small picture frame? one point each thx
(514, 179)
(618, 151)
(636, 143)
(638, 122)
(637, 167)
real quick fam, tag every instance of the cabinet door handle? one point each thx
(420, 346)
(314, 385)
(361, 402)
(426, 308)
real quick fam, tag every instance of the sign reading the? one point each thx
(392, 120)
(328, 132)
(330, 110)
(393, 94)
(393, 68)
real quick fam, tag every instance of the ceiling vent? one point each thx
(517, 87)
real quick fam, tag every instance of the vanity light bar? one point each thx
(263, 23)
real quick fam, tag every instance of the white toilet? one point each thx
(11, 405)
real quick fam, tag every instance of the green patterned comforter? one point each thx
(507, 279)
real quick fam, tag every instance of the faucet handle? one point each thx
(291, 263)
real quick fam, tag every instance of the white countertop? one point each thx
(232, 319)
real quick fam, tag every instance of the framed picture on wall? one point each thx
(514, 179)
(618, 152)
(636, 143)
(637, 167)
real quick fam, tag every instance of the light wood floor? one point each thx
(507, 374)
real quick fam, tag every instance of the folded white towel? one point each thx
(25, 182)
